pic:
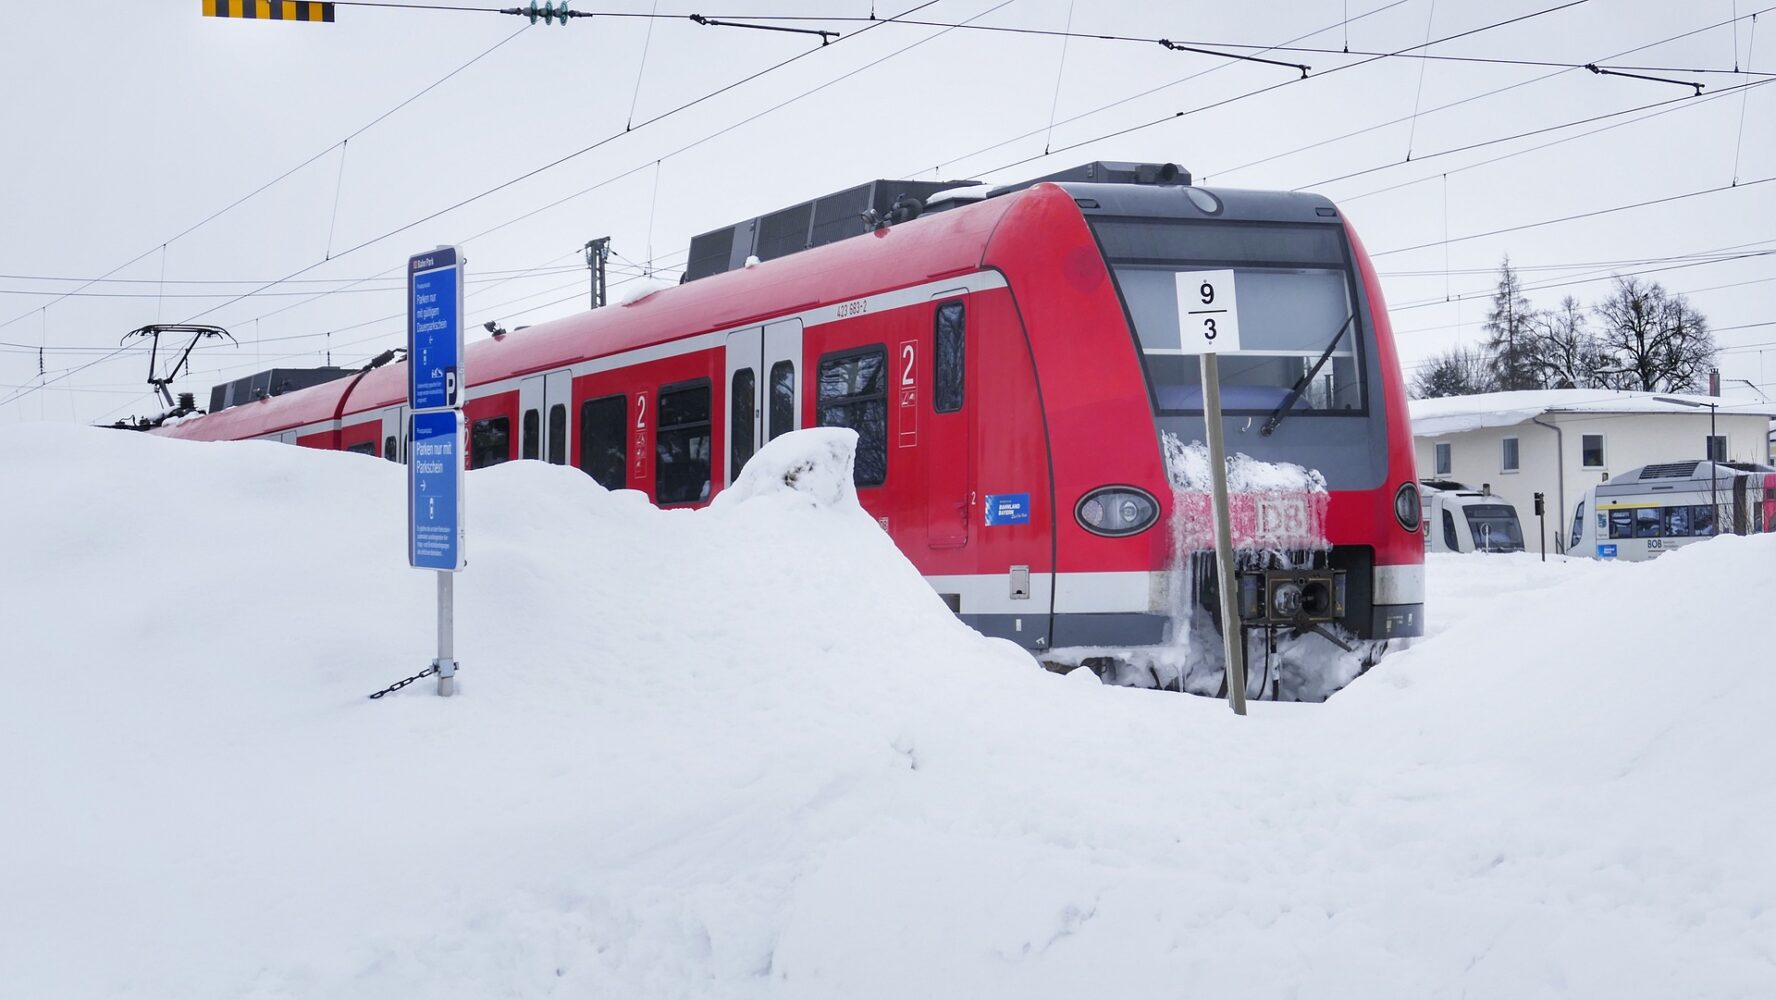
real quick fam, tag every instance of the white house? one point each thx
(1561, 442)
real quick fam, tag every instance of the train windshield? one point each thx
(1293, 295)
(1495, 527)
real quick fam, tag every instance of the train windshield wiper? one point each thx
(1307, 377)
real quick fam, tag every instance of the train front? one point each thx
(1115, 282)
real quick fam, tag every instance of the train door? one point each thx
(745, 357)
(557, 395)
(949, 442)
(394, 434)
(542, 417)
(781, 388)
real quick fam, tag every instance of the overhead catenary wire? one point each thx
(1581, 215)
(1663, 108)
(1564, 68)
(1284, 83)
(558, 161)
(1528, 133)
(206, 220)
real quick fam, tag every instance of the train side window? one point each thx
(1449, 536)
(1677, 521)
(1702, 520)
(1508, 455)
(1646, 523)
(604, 441)
(782, 399)
(1441, 450)
(682, 444)
(950, 357)
(854, 394)
(741, 429)
(558, 434)
(1621, 524)
(490, 442)
(1578, 524)
(1591, 450)
(533, 433)
(388, 449)
(362, 448)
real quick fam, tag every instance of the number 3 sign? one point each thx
(1208, 314)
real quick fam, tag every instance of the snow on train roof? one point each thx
(1457, 414)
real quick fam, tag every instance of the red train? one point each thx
(1010, 359)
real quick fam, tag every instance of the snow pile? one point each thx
(745, 752)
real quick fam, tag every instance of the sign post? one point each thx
(1208, 321)
(435, 460)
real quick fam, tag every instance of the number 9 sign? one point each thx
(1208, 312)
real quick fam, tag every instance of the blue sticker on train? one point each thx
(1606, 551)
(1008, 508)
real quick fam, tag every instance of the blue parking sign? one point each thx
(434, 329)
(434, 491)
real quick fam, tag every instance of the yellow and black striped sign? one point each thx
(270, 10)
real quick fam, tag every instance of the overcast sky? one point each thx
(129, 122)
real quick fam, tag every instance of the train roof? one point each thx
(1676, 474)
(923, 249)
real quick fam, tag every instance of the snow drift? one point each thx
(745, 752)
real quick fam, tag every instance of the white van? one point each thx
(1459, 518)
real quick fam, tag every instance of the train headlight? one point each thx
(1116, 511)
(1406, 506)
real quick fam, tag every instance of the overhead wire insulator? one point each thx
(547, 12)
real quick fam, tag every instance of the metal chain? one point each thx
(398, 685)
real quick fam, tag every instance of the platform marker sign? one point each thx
(1208, 326)
(1208, 314)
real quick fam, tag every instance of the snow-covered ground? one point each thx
(746, 753)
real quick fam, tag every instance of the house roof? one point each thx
(1456, 414)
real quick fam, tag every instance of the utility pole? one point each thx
(597, 253)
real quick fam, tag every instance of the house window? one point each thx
(1508, 457)
(854, 394)
(1443, 459)
(1591, 450)
(1717, 448)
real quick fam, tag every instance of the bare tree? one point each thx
(1457, 372)
(1563, 353)
(1509, 338)
(1651, 340)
